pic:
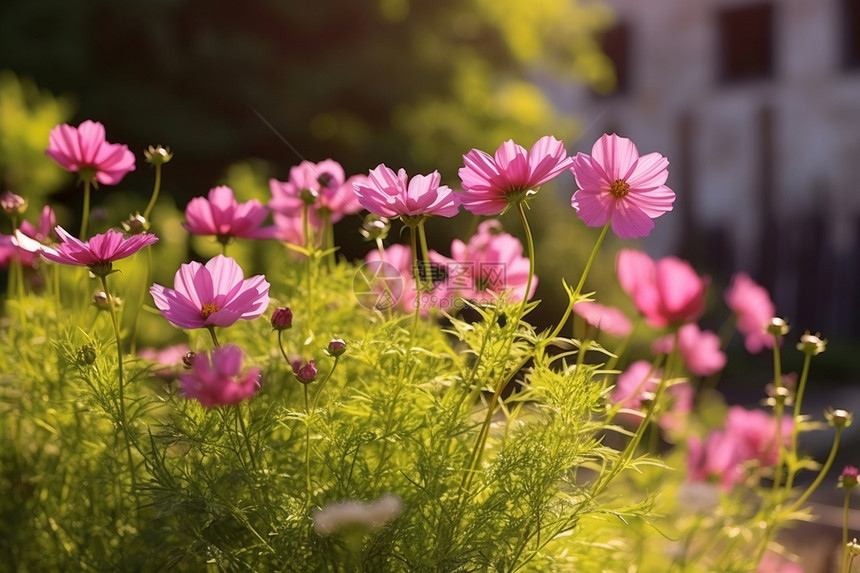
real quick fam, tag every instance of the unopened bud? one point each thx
(135, 224)
(336, 347)
(282, 318)
(13, 204)
(811, 344)
(848, 477)
(188, 359)
(375, 227)
(157, 155)
(100, 300)
(86, 355)
(777, 327)
(305, 374)
(838, 418)
(309, 196)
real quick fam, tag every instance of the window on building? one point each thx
(851, 34)
(615, 43)
(746, 43)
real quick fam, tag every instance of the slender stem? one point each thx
(413, 241)
(311, 256)
(425, 255)
(798, 399)
(122, 414)
(578, 290)
(308, 485)
(845, 508)
(323, 383)
(530, 249)
(215, 342)
(821, 475)
(155, 190)
(778, 411)
(247, 440)
(85, 217)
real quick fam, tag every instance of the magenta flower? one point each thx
(390, 195)
(219, 381)
(99, 252)
(489, 266)
(84, 150)
(216, 294)
(604, 318)
(305, 373)
(490, 184)
(640, 381)
(666, 292)
(221, 215)
(753, 307)
(700, 349)
(617, 185)
(325, 183)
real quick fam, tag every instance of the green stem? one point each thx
(578, 290)
(778, 411)
(155, 190)
(122, 414)
(413, 241)
(311, 256)
(845, 509)
(215, 342)
(86, 210)
(530, 249)
(245, 437)
(798, 399)
(820, 478)
(308, 485)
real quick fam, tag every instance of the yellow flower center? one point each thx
(619, 188)
(208, 310)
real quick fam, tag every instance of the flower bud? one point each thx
(375, 227)
(309, 196)
(188, 359)
(13, 204)
(100, 300)
(282, 318)
(157, 155)
(336, 347)
(86, 355)
(848, 477)
(838, 418)
(305, 374)
(811, 344)
(777, 327)
(135, 224)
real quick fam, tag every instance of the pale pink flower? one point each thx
(604, 318)
(83, 149)
(334, 195)
(753, 308)
(216, 294)
(390, 195)
(491, 183)
(639, 380)
(617, 185)
(99, 252)
(748, 441)
(218, 381)
(700, 349)
(489, 266)
(666, 292)
(26, 245)
(772, 562)
(221, 215)
(167, 361)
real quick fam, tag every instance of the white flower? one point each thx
(370, 515)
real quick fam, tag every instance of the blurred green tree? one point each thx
(413, 83)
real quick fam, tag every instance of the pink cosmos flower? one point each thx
(390, 195)
(166, 360)
(666, 292)
(218, 381)
(489, 266)
(753, 307)
(700, 349)
(604, 318)
(617, 185)
(749, 440)
(83, 149)
(326, 181)
(99, 252)
(221, 215)
(638, 380)
(491, 183)
(216, 294)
